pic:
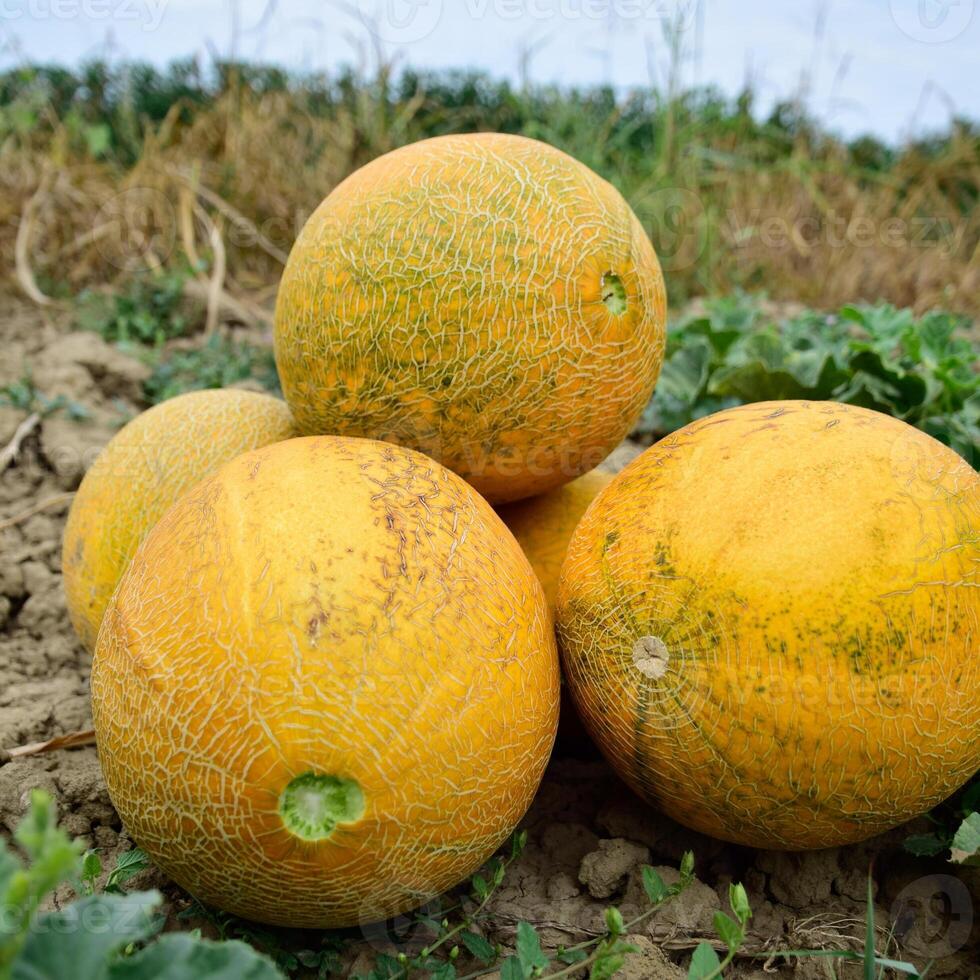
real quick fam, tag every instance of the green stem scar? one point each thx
(311, 805)
(614, 294)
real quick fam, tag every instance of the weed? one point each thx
(25, 396)
(919, 369)
(956, 825)
(217, 363)
(149, 309)
(125, 942)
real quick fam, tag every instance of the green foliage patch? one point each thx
(217, 363)
(98, 937)
(923, 370)
(146, 309)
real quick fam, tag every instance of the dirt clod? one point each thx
(604, 871)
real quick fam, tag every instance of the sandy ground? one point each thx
(588, 835)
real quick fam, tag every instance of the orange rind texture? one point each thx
(142, 471)
(483, 298)
(327, 687)
(769, 622)
(543, 525)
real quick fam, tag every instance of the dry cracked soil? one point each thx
(588, 835)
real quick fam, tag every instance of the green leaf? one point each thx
(609, 959)
(88, 933)
(614, 922)
(739, 901)
(477, 946)
(512, 969)
(687, 864)
(901, 965)
(966, 842)
(480, 887)
(924, 845)
(571, 956)
(728, 930)
(497, 871)
(653, 885)
(98, 138)
(529, 948)
(869, 933)
(178, 956)
(704, 962)
(9, 866)
(91, 869)
(128, 865)
(53, 859)
(440, 971)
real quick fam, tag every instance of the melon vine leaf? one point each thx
(79, 940)
(966, 842)
(180, 955)
(511, 969)
(922, 370)
(704, 963)
(128, 865)
(730, 932)
(925, 845)
(609, 958)
(653, 885)
(441, 971)
(529, 951)
(94, 938)
(477, 946)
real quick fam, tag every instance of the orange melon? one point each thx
(327, 686)
(144, 468)
(770, 623)
(483, 298)
(543, 525)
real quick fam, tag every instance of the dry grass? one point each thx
(224, 186)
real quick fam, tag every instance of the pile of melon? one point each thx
(326, 678)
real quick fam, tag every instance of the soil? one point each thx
(588, 835)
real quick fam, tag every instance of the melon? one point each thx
(145, 467)
(543, 525)
(327, 686)
(483, 298)
(770, 623)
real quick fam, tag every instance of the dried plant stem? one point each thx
(73, 740)
(61, 498)
(22, 245)
(9, 452)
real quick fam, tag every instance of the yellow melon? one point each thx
(543, 525)
(483, 298)
(145, 467)
(327, 686)
(770, 623)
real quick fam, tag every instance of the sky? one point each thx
(894, 68)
